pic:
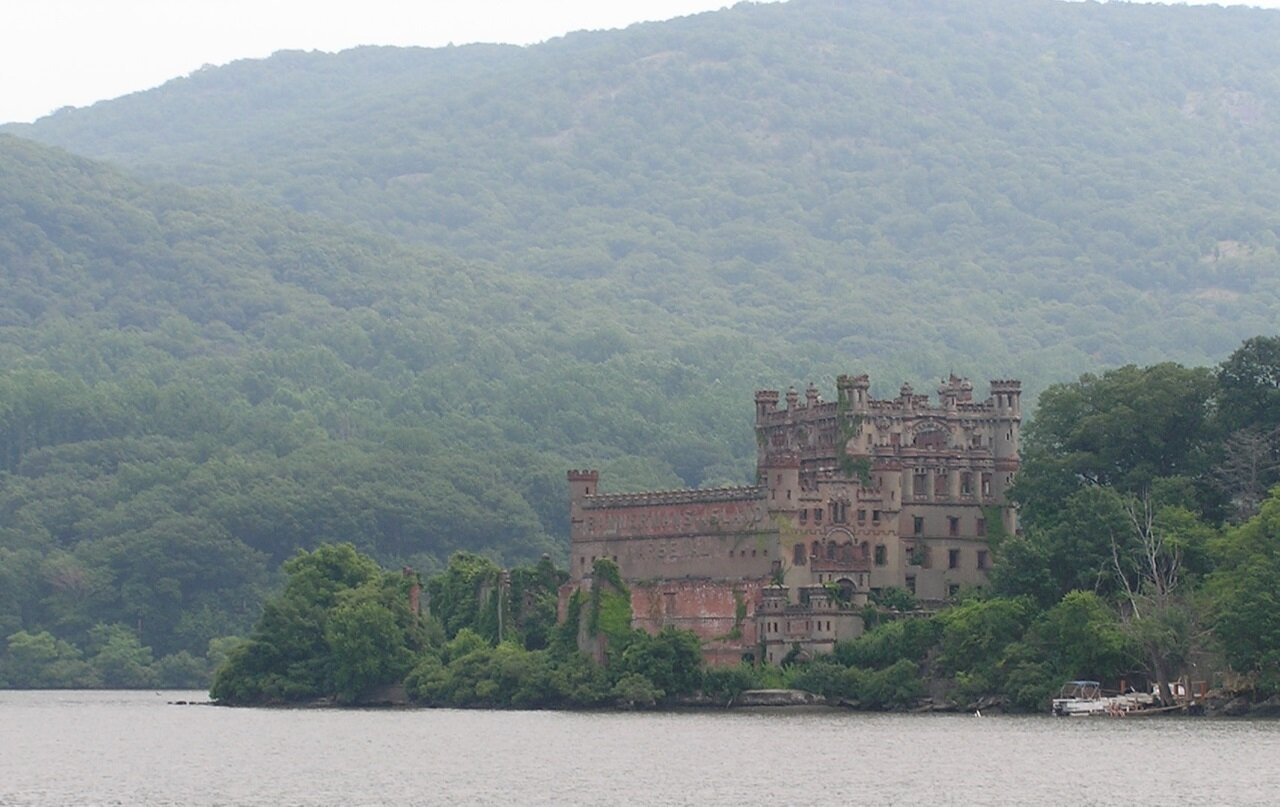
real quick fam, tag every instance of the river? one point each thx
(60, 748)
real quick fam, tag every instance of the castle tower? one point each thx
(1007, 396)
(582, 484)
(779, 473)
(853, 392)
(766, 402)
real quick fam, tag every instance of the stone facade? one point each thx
(853, 495)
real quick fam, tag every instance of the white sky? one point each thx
(56, 53)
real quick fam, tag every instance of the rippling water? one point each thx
(134, 748)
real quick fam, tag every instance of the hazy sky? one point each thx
(56, 53)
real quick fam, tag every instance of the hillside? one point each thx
(194, 387)
(1020, 188)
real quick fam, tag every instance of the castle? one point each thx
(852, 496)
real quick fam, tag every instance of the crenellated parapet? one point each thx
(675, 497)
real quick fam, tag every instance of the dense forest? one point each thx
(195, 388)
(1031, 189)
(387, 296)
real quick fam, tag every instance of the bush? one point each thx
(634, 690)
(726, 683)
(896, 685)
(910, 638)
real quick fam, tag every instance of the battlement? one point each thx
(750, 493)
(583, 476)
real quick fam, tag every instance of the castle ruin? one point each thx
(852, 496)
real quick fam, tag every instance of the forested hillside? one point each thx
(192, 388)
(387, 296)
(1022, 188)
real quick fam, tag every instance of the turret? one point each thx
(1006, 395)
(853, 392)
(773, 599)
(766, 402)
(955, 390)
(907, 396)
(582, 484)
(780, 473)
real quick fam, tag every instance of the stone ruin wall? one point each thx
(694, 560)
(721, 612)
(715, 534)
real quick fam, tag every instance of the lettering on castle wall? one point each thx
(658, 521)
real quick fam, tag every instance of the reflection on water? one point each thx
(134, 748)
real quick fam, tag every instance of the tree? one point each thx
(39, 660)
(1082, 637)
(634, 689)
(1249, 385)
(121, 660)
(671, 660)
(1123, 429)
(369, 643)
(1249, 467)
(1157, 617)
(1245, 596)
(297, 650)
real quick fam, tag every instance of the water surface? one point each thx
(134, 748)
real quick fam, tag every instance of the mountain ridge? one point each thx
(1027, 162)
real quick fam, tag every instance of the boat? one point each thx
(1079, 699)
(1085, 698)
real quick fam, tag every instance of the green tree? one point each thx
(1123, 429)
(1082, 637)
(671, 660)
(290, 654)
(1249, 385)
(39, 660)
(1245, 597)
(121, 661)
(370, 644)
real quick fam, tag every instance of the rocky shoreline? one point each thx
(1215, 705)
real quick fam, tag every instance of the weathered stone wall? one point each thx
(721, 612)
(727, 535)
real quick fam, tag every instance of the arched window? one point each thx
(817, 549)
(847, 589)
(799, 555)
(831, 551)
